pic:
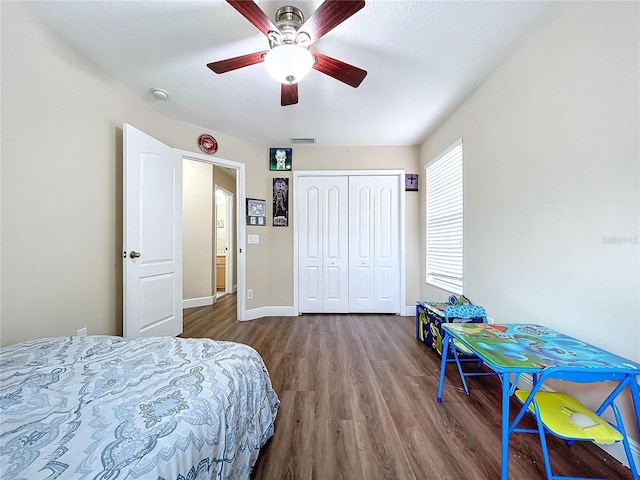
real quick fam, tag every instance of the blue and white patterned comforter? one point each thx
(110, 408)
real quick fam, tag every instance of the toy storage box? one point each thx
(429, 318)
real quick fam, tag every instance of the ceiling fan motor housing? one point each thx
(288, 20)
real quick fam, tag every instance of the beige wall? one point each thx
(61, 150)
(551, 176)
(61, 188)
(197, 230)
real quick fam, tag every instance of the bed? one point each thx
(102, 407)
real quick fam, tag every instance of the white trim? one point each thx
(343, 173)
(288, 311)
(455, 144)
(616, 450)
(240, 169)
(276, 311)
(403, 247)
(198, 302)
(294, 216)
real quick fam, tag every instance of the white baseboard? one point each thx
(197, 302)
(261, 312)
(616, 450)
(287, 311)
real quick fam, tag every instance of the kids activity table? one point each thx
(515, 349)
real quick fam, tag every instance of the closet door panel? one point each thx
(310, 246)
(361, 246)
(335, 224)
(387, 245)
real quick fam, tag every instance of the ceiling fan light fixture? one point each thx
(288, 63)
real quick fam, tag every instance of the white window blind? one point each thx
(444, 220)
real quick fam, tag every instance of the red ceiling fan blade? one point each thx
(237, 62)
(339, 70)
(328, 16)
(288, 94)
(252, 12)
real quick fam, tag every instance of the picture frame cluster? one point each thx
(280, 160)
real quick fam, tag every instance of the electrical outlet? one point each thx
(250, 293)
(82, 332)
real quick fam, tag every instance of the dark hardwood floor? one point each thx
(358, 401)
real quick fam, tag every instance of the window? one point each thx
(444, 220)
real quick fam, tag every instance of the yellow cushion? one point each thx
(565, 416)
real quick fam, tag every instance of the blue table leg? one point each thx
(443, 363)
(504, 475)
(635, 399)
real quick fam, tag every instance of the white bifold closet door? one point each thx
(348, 244)
(374, 243)
(323, 242)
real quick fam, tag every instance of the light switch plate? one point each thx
(253, 238)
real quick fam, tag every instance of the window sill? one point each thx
(444, 286)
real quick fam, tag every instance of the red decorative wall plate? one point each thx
(208, 144)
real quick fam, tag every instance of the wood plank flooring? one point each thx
(358, 401)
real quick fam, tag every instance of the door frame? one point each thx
(352, 173)
(239, 253)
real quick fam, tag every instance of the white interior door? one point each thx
(387, 244)
(152, 236)
(362, 283)
(374, 244)
(310, 245)
(229, 261)
(224, 238)
(323, 249)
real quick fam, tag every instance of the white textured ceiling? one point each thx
(423, 58)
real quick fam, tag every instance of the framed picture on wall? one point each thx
(256, 212)
(411, 182)
(280, 202)
(280, 159)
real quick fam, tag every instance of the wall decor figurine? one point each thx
(256, 212)
(411, 182)
(280, 159)
(280, 202)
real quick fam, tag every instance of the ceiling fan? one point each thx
(289, 39)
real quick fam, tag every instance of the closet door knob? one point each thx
(133, 254)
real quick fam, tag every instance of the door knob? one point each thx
(133, 254)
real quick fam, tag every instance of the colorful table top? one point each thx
(531, 348)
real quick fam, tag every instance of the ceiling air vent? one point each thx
(301, 141)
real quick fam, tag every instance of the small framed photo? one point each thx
(256, 211)
(280, 159)
(411, 182)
